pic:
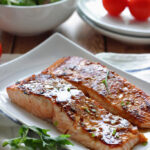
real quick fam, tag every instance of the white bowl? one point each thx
(32, 20)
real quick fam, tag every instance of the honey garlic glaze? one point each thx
(118, 91)
(94, 120)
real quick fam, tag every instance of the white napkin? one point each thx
(136, 64)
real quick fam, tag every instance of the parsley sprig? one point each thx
(105, 81)
(42, 141)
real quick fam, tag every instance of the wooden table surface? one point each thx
(76, 30)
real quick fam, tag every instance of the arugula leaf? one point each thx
(18, 2)
(26, 2)
(52, 1)
(42, 142)
(55, 123)
(4, 2)
(40, 2)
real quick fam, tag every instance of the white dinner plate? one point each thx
(34, 62)
(124, 24)
(112, 34)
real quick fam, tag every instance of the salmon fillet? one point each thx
(73, 113)
(112, 91)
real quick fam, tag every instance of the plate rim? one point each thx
(124, 38)
(32, 50)
(69, 42)
(109, 30)
(132, 32)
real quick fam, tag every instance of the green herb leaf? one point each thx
(26, 2)
(93, 110)
(68, 89)
(52, 1)
(86, 109)
(62, 139)
(145, 143)
(21, 2)
(55, 123)
(105, 82)
(114, 132)
(93, 129)
(23, 131)
(42, 142)
(122, 103)
(5, 143)
(58, 88)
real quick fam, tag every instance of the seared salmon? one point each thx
(73, 113)
(112, 91)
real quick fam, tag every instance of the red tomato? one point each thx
(115, 7)
(0, 49)
(140, 9)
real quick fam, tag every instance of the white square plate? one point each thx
(38, 59)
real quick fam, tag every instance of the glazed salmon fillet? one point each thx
(88, 123)
(112, 91)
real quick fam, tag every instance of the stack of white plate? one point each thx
(124, 28)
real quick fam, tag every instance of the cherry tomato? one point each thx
(115, 7)
(0, 49)
(140, 9)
